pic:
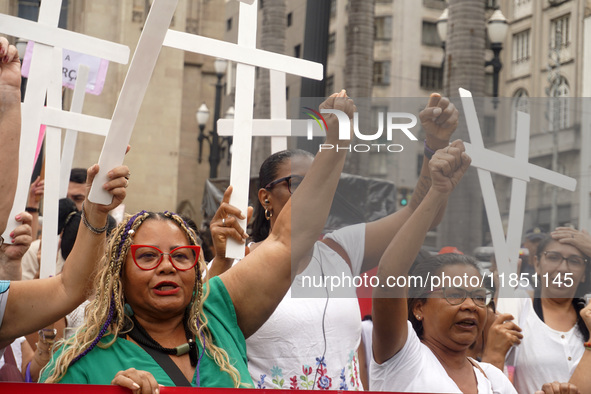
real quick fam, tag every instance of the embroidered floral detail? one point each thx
(324, 382)
(261, 383)
(343, 383)
(306, 383)
(293, 383)
(277, 374)
(320, 361)
(353, 373)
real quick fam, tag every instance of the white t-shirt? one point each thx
(30, 263)
(286, 352)
(544, 355)
(416, 369)
(17, 352)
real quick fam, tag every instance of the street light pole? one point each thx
(497, 30)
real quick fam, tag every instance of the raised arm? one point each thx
(261, 280)
(35, 304)
(390, 311)
(439, 119)
(10, 126)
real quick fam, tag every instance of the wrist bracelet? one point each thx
(428, 152)
(89, 226)
(587, 345)
(32, 210)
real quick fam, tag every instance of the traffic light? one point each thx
(404, 195)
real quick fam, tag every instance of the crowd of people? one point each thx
(135, 304)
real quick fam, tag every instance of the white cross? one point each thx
(247, 57)
(47, 35)
(518, 168)
(57, 171)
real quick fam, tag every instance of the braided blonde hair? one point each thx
(106, 314)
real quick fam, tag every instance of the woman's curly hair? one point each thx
(105, 315)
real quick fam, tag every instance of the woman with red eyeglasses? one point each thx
(157, 319)
(556, 321)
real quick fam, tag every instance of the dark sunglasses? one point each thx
(293, 181)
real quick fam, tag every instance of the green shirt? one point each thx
(99, 366)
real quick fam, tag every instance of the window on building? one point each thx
(383, 1)
(431, 78)
(383, 27)
(329, 85)
(491, 4)
(229, 24)
(521, 47)
(429, 34)
(297, 50)
(558, 115)
(560, 32)
(333, 8)
(29, 9)
(519, 3)
(289, 17)
(381, 73)
(520, 103)
(332, 43)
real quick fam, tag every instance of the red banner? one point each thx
(36, 388)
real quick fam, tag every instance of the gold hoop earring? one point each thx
(268, 214)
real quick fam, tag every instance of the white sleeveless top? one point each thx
(289, 351)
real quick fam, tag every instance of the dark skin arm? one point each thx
(260, 281)
(439, 120)
(390, 313)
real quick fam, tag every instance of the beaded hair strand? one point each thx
(103, 316)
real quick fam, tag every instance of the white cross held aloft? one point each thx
(506, 249)
(247, 57)
(47, 36)
(244, 53)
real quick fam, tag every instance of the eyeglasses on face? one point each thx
(293, 181)
(148, 257)
(573, 261)
(457, 295)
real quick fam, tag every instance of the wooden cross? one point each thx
(486, 161)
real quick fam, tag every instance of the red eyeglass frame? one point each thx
(195, 248)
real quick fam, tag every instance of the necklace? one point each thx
(141, 336)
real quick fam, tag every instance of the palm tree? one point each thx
(273, 35)
(359, 68)
(464, 67)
